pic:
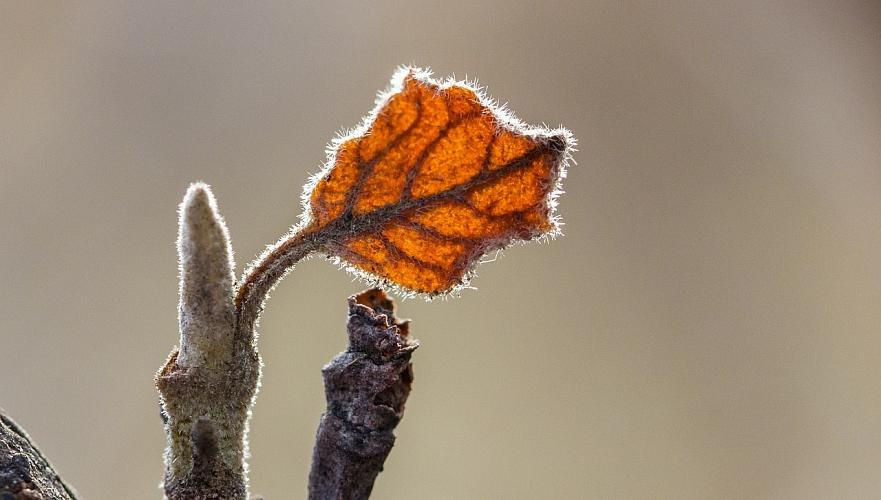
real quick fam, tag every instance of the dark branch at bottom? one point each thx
(25, 474)
(366, 387)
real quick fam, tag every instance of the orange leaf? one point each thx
(434, 178)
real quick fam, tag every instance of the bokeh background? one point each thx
(709, 327)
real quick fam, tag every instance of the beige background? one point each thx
(710, 326)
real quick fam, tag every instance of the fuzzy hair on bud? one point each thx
(208, 383)
(207, 280)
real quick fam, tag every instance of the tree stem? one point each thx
(366, 387)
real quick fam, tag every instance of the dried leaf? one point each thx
(434, 178)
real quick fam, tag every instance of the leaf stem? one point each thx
(268, 270)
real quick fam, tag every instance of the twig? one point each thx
(366, 387)
(25, 474)
(208, 384)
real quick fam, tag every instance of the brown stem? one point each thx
(25, 474)
(366, 388)
(266, 272)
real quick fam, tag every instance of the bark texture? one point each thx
(366, 388)
(25, 474)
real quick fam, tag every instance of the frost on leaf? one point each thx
(435, 177)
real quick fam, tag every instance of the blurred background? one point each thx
(709, 327)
